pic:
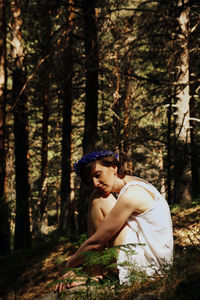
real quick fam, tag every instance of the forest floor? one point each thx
(30, 274)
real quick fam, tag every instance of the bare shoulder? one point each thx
(137, 198)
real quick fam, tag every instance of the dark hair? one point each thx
(107, 161)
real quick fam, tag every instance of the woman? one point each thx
(139, 216)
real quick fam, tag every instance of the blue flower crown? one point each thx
(90, 157)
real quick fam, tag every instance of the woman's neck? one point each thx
(119, 184)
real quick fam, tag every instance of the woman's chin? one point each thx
(105, 193)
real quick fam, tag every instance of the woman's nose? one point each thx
(95, 182)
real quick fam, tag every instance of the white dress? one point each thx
(152, 234)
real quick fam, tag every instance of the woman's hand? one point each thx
(71, 263)
(68, 281)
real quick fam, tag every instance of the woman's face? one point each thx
(103, 178)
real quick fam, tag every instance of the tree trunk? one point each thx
(22, 222)
(91, 95)
(183, 138)
(66, 202)
(92, 64)
(195, 166)
(45, 77)
(127, 149)
(44, 169)
(169, 159)
(116, 125)
(4, 221)
(194, 109)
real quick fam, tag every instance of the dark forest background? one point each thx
(76, 76)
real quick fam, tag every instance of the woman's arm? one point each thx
(134, 199)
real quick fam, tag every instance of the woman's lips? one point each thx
(101, 188)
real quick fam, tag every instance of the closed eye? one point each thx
(96, 175)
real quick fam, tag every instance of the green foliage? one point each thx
(102, 258)
(105, 261)
(63, 239)
(178, 207)
(81, 239)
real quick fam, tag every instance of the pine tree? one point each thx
(22, 221)
(4, 216)
(67, 57)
